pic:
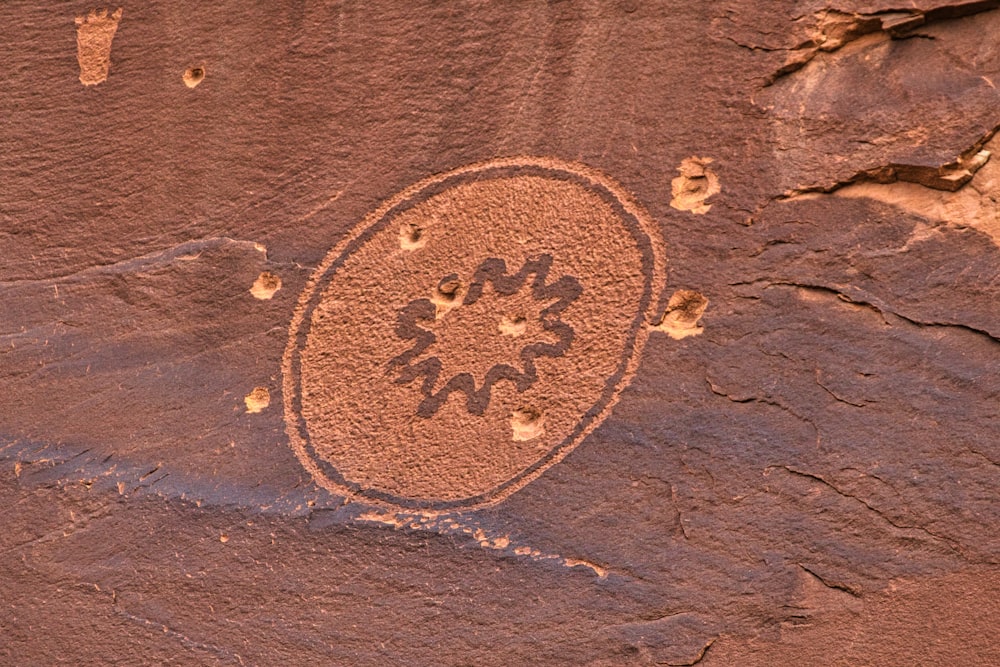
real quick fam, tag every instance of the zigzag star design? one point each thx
(492, 271)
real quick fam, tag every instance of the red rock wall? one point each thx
(568, 333)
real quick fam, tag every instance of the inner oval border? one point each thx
(650, 246)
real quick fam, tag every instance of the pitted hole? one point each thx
(526, 423)
(447, 295)
(193, 76)
(513, 326)
(411, 237)
(683, 316)
(258, 399)
(449, 287)
(696, 183)
(266, 285)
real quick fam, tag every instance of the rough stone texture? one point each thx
(812, 479)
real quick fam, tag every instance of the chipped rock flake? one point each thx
(94, 34)
(695, 184)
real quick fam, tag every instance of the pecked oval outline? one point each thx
(652, 304)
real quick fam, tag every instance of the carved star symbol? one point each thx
(468, 338)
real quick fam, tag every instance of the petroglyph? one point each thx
(439, 380)
(94, 34)
(470, 333)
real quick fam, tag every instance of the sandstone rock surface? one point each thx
(759, 424)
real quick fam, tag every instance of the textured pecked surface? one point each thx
(787, 452)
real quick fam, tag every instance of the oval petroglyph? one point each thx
(470, 333)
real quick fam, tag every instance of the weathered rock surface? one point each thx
(800, 466)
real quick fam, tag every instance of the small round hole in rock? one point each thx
(447, 295)
(448, 289)
(513, 326)
(526, 424)
(258, 399)
(411, 237)
(266, 285)
(193, 76)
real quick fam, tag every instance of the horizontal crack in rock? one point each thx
(835, 585)
(718, 391)
(950, 176)
(860, 298)
(973, 207)
(696, 658)
(180, 251)
(950, 543)
(834, 29)
(185, 640)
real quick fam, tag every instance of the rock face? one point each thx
(697, 362)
